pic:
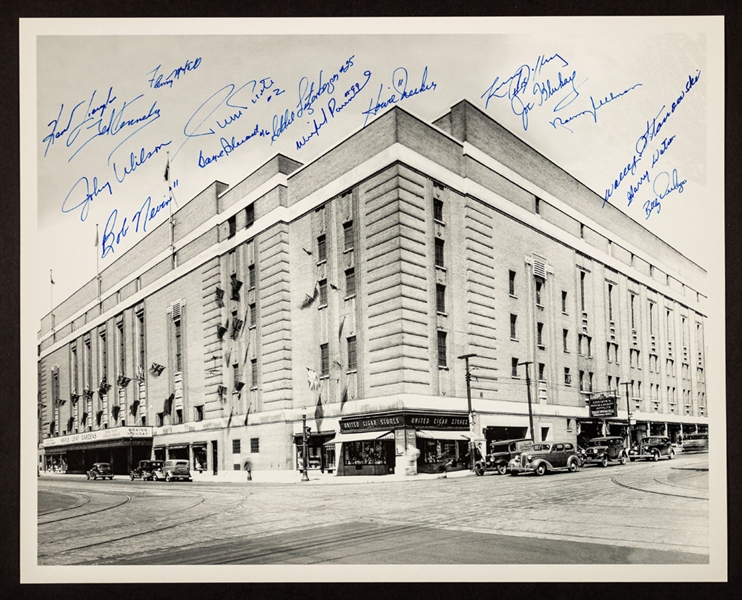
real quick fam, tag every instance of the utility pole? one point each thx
(304, 436)
(530, 407)
(628, 410)
(472, 458)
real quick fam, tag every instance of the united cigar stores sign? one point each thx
(101, 435)
(413, 420)
(603, 406)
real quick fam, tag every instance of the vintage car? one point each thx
(499, 456)
(100, 471)
(173, 470)
(545, 456)
(145, 470)
(696, 442)
(602, 450)
(652, 447)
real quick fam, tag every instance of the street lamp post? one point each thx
(530, 407)
(628, 411)
(304, 475)
(472, 458)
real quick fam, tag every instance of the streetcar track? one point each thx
(151, 531)
(637, 489)
(56, 510)
(85, 514)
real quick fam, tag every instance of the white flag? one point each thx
(312, 379)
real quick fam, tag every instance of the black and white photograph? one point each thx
(343, 299)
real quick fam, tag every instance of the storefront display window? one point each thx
(371, 452)
(199, 458)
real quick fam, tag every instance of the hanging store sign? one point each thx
(603, 407)
(115, 433)
(411, 420)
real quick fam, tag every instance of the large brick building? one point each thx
(347, 288)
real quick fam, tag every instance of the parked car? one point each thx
(500, 454)
(545, 456)
(696, 442)
(145, 470)
(652, 447)
(602, 450)
(172, 470)
(100, 471)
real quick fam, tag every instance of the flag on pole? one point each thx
(319, 413)
(247, 414)
(167, 168)
(51, 278)
(229, 421)
(312, 379)
(97, 239)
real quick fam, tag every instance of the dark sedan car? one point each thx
(545, 456)
(145, 470)
(602, 450)
(100, 471)
(652, 447)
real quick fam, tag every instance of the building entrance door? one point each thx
(215, 456)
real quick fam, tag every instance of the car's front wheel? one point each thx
(479, 469)
(168, 478)
(572, 466)
(671, 455)
(502, 469)
(87, 475)
(655, 456)
(604, 462)
(622, 460)
(541, 469)
(131, 475)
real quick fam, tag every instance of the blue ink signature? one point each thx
(233, 98)
(651, 132)
(518, 89)
(158, 81)
(91, 191)
(664, 185)
(229, 146)
(137, 161)
(400, 78)
(593, 110)
(333, 109)
(112, 235)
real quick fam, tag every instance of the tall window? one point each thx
(539, 288)
(540, 334)
(350, 282)
(75, 379)
(352, 356)
(323, 292)
(142, 345)
(513, 321)
(253, 314)
(254, 373)
(103, 354)
(537, 205)
(442, 361)
(439, 252)
(438, 210)
(582, 291)
(250, 215)
(348, 235)
(512, 283)
(178, 346)
(321, 248)
(632, 302)
(565, 339)
(122, 348)
(513, 367)
(651, 318)
(251, 277)
(541, 372)
(610, 302)
(88, 364)
(324, 353)
(440, 298)
(564, 302)
(232, 222)
(567, 376)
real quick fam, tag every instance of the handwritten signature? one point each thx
(651, 131)
(89, 189)
(593, 110)
(664, 185)
(400, 82)
(157, 80)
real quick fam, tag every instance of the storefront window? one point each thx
(365, 453)
(199, 458)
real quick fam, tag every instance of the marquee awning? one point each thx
(360, 437)
(431, 434)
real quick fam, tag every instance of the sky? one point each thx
(112, 110)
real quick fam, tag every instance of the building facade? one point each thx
(343, 292)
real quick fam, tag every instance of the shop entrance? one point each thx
(320, 453)
(498, 434)
(587, 431)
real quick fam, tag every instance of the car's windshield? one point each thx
(541, 447)
(598, 442)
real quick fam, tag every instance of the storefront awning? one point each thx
(359, 437)
(430, 434)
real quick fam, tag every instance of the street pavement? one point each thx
(640, 513)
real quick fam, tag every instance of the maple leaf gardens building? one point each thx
(344, 292)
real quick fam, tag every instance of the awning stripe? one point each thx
(359, 437)
(431, 434)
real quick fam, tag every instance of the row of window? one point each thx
(352, 356)
(254, 446)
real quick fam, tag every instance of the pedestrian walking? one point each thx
(248, 467)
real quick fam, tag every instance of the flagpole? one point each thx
(51, 291)
(170, 206)
(97, 261)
